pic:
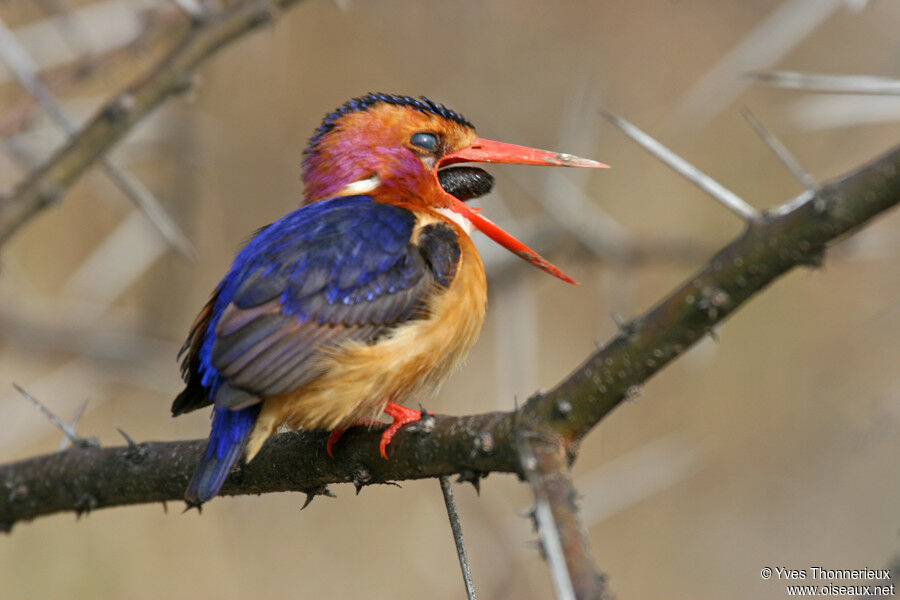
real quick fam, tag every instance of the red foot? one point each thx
(402, 416)
(337, 433)
(332, 440)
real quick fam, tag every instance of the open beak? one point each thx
(488, 151)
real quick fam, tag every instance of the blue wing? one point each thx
(337, 270)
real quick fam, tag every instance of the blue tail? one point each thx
(230, 429)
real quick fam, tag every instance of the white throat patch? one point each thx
(363, 186)
(458, 219)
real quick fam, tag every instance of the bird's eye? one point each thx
(425, 141)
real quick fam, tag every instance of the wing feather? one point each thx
(339, 270)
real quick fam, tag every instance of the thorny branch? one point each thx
(794, 234)
(563, 538)
(172, 74)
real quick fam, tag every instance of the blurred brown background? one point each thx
(776, 446)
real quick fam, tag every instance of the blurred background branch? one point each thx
(173, 74)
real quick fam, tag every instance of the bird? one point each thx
(369, 294)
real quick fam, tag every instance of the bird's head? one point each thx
(393, 148)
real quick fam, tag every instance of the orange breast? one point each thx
(359, 379)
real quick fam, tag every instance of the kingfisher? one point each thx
(368, 295)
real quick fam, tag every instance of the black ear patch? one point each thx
(465, 182)
(440, 249)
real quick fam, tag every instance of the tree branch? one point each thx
(160, 26)
(563, 537)
(796, 233)
(793, 234)
(171, 75)
(80, 479)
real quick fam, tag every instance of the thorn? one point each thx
(780, 150)
(813, 260)
(134, 452)
(85, 505)
(189, 504)
(322, 490)
(426, 422)
(531, 515)
(473, 477)
(527, 513)
(723, 195)
(128, 439)
(361, 477)
(165, 507)
(713, 334)
(65, 443)
(625, 328)
(73, 437)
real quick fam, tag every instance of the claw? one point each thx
(332, 439)
(402, 416)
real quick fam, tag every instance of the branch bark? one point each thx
(794, 234)
(563, 537)
(44, 186)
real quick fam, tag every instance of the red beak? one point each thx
(488, 151)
